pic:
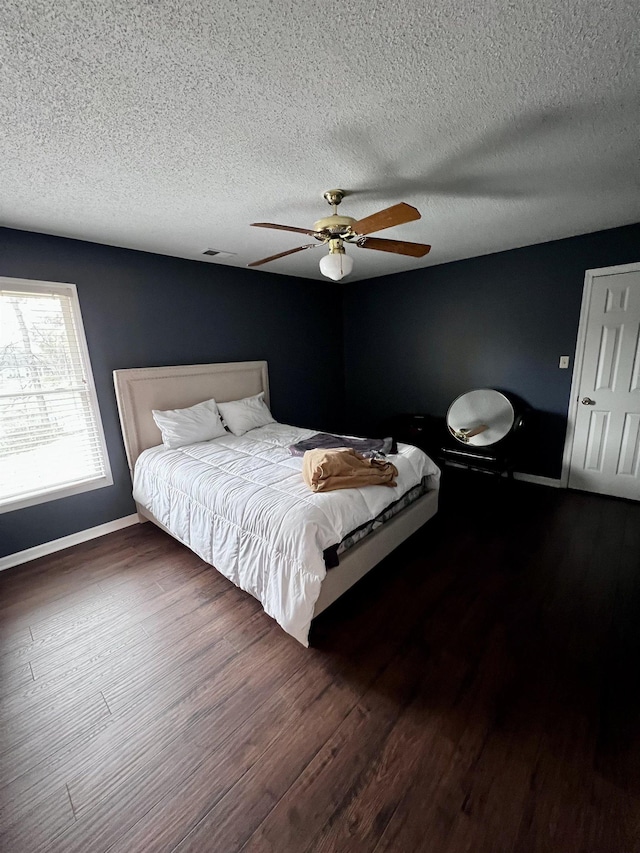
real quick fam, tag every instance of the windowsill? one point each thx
(56, 493)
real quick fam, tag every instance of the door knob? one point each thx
(587, 401)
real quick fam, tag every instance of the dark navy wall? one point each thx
(144, 310)
(415, 341)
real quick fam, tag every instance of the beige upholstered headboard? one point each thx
(139, 390)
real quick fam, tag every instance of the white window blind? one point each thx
(51, 439)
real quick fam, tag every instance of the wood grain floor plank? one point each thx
(151, 657)
(74, 671)
(17, 612)
(444, 675)
(38, 722)
(77, 679)
(611, 823)
(618, 743)
(38, 782)
(155, 722)
(55, 733)
(450, 784)
(195, 798)
(13, 638)
(170, 772)
(332, 778)
(554, 817)
(109, 616)
(15, 678)
(64, 573)
(130, 611)
(206, 627)
(160, 610)
(358, 822)
(226, 764)
(241, 685)
(184, 602)
(30, 826)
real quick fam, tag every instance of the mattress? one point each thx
(241, 504)
(332, 555)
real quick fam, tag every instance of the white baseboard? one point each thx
(541, 481)
(66, 541)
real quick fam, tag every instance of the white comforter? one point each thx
(241, 504)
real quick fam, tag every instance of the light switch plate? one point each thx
(564, 361)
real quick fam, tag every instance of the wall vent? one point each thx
(218, 254)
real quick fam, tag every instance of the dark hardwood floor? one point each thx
(478, 691)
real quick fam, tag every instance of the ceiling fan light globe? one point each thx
(336, 265)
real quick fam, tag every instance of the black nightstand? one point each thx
(424, 431)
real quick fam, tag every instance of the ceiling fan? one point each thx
(335, 230)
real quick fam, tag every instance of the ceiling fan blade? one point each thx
(387, 218)
(283, 254)
(398, 247)
(284, 228)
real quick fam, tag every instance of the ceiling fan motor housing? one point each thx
(339, 226)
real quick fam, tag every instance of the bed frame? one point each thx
(139, 390)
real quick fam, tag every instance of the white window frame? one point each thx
(54, 493)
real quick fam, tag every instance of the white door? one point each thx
(605, 455)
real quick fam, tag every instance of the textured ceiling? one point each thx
(170, 126)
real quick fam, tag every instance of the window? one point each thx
(51, 439)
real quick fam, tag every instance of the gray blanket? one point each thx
(368, 447)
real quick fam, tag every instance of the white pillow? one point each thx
(242, 415)
(188, 426)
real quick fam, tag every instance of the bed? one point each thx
(188, 493)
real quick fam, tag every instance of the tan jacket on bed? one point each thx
(324, 470)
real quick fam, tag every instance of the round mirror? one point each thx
(480, 418)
